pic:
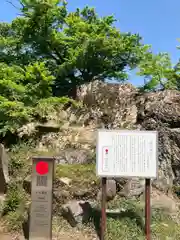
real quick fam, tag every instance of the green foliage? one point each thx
(77, 47)
(23, 91)
(13, 114)
(49, 52)
(14, 198)
(18, 158)
(158, 72)
(38, 81)
(13, 209)
(47, 106)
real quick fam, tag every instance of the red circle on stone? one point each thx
(42, 168)
(106, 150)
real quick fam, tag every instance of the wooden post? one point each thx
(147, 209)
(103, 209)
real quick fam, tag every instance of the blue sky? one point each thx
(157, 21)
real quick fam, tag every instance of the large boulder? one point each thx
(109, 105)
(161, 111)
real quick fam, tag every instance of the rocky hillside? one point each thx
(116, 107)
(122, 106)
(70, 136)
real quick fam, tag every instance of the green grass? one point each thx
(14, 208)
(81, 174)
(130, 224)
(84, 182)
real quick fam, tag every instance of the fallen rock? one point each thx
(76, 212)
(110, 190)
(160, 200)
(65, 181)
(82, 193)
(72, 212)
(61, 195)
(27, 130)
(133, 188)
(72, 118)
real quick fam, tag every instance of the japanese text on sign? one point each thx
(127, 153)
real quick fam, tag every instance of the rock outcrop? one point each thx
(123, 106)
(117, 106)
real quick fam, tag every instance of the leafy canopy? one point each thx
(158, 72)
(77, 47)
(48, 52)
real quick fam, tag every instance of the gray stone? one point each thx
(110, 190)
(73, 156)
(133, 188)
(60, 160)
(65, 181)
(72, 211)
(61, 195)
(82, 193)
(72, 118)
(4, 174)
(76, 212)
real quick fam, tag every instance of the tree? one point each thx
(77, 47)
(21, 89)
(158, 72)
(48, 52)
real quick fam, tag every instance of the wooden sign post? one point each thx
(103, 209)
(41, 198)
(148, 209)
(127, 154)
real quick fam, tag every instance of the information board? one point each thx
(41, 199)
(125, 153)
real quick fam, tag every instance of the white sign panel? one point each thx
(127, 153)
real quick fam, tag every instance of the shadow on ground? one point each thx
(95, 218)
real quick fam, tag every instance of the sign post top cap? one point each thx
(43, 158)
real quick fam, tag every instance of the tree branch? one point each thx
(12, 4)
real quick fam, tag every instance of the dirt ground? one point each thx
(59, 236)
